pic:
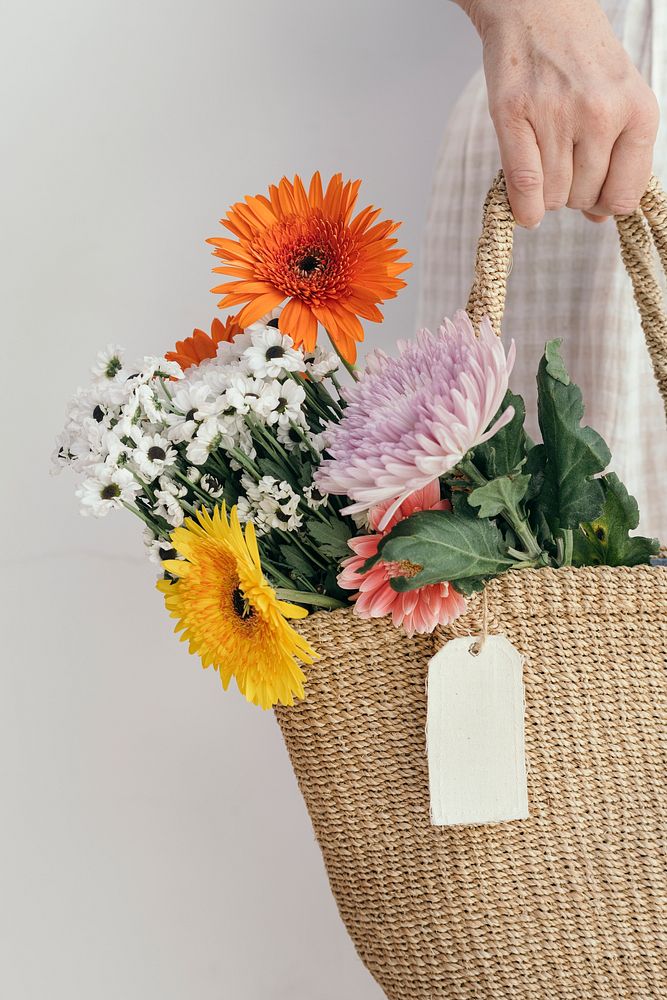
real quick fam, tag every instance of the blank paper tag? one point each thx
(475, 733)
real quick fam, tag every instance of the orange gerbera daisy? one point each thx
(200, 345)
(307, 248)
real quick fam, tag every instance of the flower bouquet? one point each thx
(278, 483)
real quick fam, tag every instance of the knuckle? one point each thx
(525, 181)
(554, 202)
(509, 107)
(620, 202)
(582, 201)
(598, 114)
(647, 108)
(644, 124)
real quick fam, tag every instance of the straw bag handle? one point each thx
(494, 257)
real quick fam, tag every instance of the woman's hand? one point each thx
(576, 123)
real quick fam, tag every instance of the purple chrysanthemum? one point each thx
(412, 418)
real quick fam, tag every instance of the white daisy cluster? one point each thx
(163, 441)
(115, 432)
(269, 504)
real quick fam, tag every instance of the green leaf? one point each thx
(470, 585)
(506, 450)
(447, 546)
(607, 540)
(555, 364)
(534, 467)
(574, 454)
(296, 560)
(331, 537)
(500, 494)
(460, 504)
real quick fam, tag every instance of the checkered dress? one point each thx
(567, 279)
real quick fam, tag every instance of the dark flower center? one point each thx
(241, 605)
(157, 454)
(211, 482)
(309, 263)
(275, 352)
(98, 413)
(113, 367)
(282, 515)
(273, 323)
(110, 492)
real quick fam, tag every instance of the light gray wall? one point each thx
(153, 844)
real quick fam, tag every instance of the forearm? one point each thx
(488, 14)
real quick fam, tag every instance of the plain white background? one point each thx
(153, 843)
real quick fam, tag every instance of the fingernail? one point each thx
(536, 226)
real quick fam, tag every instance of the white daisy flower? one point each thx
(152, 455)
(314, 498)
(272, 353)
(243, 393)
(265, 405)
(288, 408)
(321, 363)
(149, 368)
(168, 507)
(288, 436)
(158, 548)
(117, 451)
(151, 403)
(62, 456)
(206, 440)
(183, 419)
(212, 485)
(108, 363)
(168, 485)
(317, 441)
(107, 490)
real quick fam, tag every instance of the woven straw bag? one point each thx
(571, 902)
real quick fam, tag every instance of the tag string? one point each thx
(479, 643)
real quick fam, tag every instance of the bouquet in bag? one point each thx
(274, 479)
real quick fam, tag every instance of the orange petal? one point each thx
(256, 309)
(315, 196)
(297, 320)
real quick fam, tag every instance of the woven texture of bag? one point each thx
(572, 902)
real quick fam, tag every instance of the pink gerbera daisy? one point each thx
(416, 610)
(412, 418)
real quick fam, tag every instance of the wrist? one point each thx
(483, 13)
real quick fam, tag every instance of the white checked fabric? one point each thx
(567, 280)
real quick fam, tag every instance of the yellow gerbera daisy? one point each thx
(228, 612)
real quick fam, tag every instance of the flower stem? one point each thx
(315, 600)
(517, 521)
(568, 546)
(155, 528)
(347, 364)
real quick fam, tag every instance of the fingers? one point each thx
(522, 164)
(629, 170)
(590, 165)
(596, 158)
(557, 168)
(594, 218)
